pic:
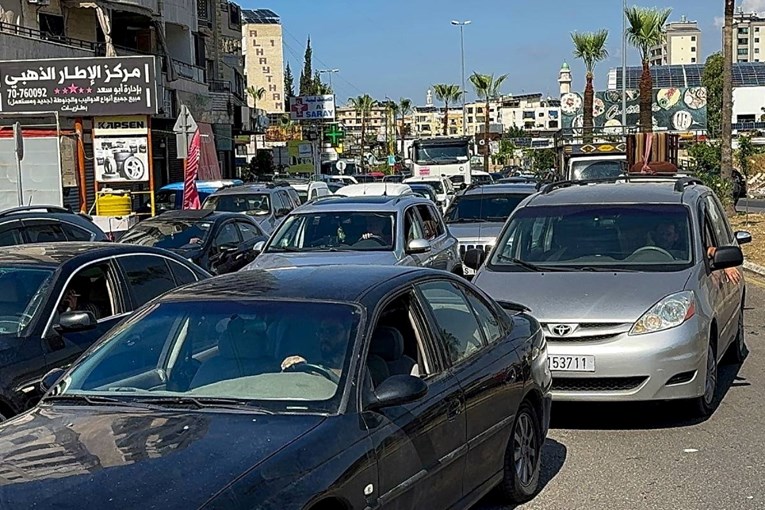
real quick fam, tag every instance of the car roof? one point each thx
(424, 178)
(56, 254)
(390, 203)
(195, 214)
(502, 188)
(376, 188)
(260, 187)
(327, 283)
(203, 185)
(660, 191)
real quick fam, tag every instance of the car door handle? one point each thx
(454, 409)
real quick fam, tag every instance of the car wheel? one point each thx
(522, 457)
(705, 404)
(133, 168)
(737, 351)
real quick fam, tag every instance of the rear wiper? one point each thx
(529, 265)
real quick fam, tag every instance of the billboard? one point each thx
(679, 110)
(312, 107)
(121, 159)
(300, 156)
(80, 87)
(121, 125)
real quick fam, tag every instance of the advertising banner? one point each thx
(121, 159)
(312, 107)
(121, 125)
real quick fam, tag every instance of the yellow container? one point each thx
(113, 204)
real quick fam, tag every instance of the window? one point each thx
(693, 61)
(491, 325)
(75, 233)
(714, 210)
(147, 276)
(91, 289)
(10, 237)
(52, 25)
(460, 332)
(227, 236)
(693, 48)
(756, 39)
(248, 231)
(183, 275)
(757, 50)
(412, 226)
(430, 221)
(44, 232)
(693, 38)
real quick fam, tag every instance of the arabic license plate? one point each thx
(571, 363)
(468, 271)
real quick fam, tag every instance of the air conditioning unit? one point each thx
(41, 3)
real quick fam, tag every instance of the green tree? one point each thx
(746, 150)
(712, 79)
(706, 157)
(515, 132)
(726, 130)
(363, 106)
(447, 93)
(487, 88)
(307, 83)
(256, 93)
(590, 47)
(543, 159)
(645, 32)
(289, 86)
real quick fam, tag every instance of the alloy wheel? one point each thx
(525, 449)
(133, 168)
(710, 386)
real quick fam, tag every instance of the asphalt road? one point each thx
(755, 205)
(651, 457)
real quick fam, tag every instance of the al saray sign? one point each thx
(312, 107)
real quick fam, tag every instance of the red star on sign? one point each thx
(89, 90)
(72, 88)
(80, 90)
(57, 91)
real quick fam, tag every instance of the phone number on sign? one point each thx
(27, 93)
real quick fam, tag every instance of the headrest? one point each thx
(243, 339)
(388, 343)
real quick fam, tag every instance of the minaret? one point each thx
(429, 98)
(564, 78)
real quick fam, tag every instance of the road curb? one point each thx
(755, 268)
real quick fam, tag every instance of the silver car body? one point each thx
(591, 313)
(281, 201)
(443, 253)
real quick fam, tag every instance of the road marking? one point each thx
(755, 280)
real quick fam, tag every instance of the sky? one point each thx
(400, 48)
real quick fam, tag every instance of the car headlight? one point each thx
(670, 312)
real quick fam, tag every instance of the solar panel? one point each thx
(260, 17)
(745, 74)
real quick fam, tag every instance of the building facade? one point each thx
(531, 112)
(264, 57)
(681, 45)
(748, 37)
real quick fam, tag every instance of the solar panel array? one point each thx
(260, 17)
(745, 74)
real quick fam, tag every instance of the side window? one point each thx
(286, 200)
(491, 325)
(75, 233)
(10, 237)
(147, 277)
(459, 330)
(91, 289)
(412, 226)
(314, 193)
(226, 236)
(183, 275)
(277, 203)
(248, 231)
(431, 225)
(44, 232)
(717, 218)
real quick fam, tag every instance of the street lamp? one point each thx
(330, 72)
(624, 67)
(462, 25)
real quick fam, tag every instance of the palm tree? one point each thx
(591, 48)
(447, 93)
(363, 106)
(487, 88)
(726, 163)
(404, 109)
(645, 32)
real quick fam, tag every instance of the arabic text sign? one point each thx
(312, 107)
(79, 87)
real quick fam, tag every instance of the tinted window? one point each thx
(44, 232)
(458, 326)
(412, 226)
(148, 277)
(75, 233)
(330, 231)
(182, 274)
(248, 231)
(718, 221)
(10, 237)
(431, 224)
(169, 234)
(227, 236)
(484, 207)
(490, 324)
(256, 204)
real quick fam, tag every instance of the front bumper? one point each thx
(657, 366)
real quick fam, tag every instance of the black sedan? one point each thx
(57, 299)
(218, 242)
(306, 388)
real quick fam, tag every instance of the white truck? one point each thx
(441, 156)
(595, 167)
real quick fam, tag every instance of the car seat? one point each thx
(388, 344)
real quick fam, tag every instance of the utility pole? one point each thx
(624, 67)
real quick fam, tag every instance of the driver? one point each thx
(332, 335)
(377, 227)
(667, 237)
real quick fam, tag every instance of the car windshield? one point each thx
(425, 154)
(334, 231)
(169, 234)
(481, 179)
(165, 200)
(236, 350)
(24, 290)
(438, 186)
(254, 204)
(655, 237)
(484, 207)
(582, 170)
(424, 192)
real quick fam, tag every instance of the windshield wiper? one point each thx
(529, 265)
(186, 402)
(594, 269)
(87, 399)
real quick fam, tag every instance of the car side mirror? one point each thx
(474, 258)
(71, 322)
(397, 390)
(727, 256)
(258, 247)
(50, 379)
(418, 246)
(743, 237)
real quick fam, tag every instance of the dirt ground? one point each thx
(755, 224)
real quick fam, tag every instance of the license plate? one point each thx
(468, 271)
(571, 363)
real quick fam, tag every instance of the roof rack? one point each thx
(46, 208)
(681, 181)
(684, 182)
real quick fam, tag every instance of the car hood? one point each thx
(583, 296)
(475, 231)
(66, 457)
(322, 258)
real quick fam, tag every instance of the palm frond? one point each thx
(645, 28)
(590, 47)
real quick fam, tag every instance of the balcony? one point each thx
(19, 43)
(220, 86)
(190, 72)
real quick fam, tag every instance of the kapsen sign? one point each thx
(120, 126)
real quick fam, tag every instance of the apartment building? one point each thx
(264, 57)
(681, 44)
(748, 37)
(532, 112)
(476, 116)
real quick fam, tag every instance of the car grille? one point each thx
(596, 383)
(585, 332)
(465, 247)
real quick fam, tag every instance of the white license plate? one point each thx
(571, 363)
(468, 271)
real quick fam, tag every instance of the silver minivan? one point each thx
(637, 283)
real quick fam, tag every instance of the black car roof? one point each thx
(326, 283)
(195, 214)
(56, 254)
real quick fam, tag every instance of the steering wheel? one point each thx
(310, 368)
(648, 249)
(9, 323)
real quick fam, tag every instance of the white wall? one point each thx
(748, 101)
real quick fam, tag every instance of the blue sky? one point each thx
(399, 48)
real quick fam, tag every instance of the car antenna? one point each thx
(385, 190)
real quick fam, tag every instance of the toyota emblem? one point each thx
(562, 329)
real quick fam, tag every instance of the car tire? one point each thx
(523, 457)
(704, 405)
(737, 351)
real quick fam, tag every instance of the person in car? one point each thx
(665, 236)
(378, 227)
(732, 273)
(72, 303)
(332, 334)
